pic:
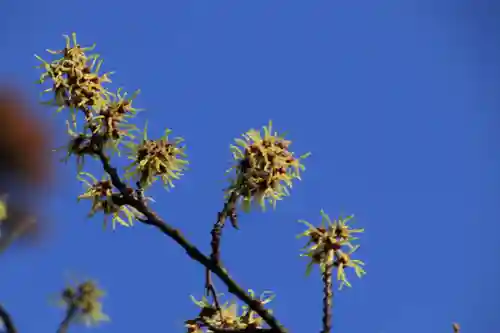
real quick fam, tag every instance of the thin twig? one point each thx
(229, 210)
(215, 245)
(70, 315)
(327, 298)
(151, 218)
(7, 321)
(211, 291)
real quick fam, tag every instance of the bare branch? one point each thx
(229, 210)
(327, 298)
(70, 315)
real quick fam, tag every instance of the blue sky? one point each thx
(397, 101)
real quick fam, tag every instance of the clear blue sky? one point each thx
(397, 100)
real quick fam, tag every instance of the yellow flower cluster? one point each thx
(265, 168)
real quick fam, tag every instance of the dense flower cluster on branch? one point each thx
(83, 303)
(264, 168)
(331, 245)
(213, 317)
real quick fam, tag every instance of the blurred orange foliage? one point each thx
(25, 166)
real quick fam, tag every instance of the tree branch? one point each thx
(7, 321)
(70, 315)
(154, 220)
(229, 210)
(327, 298)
